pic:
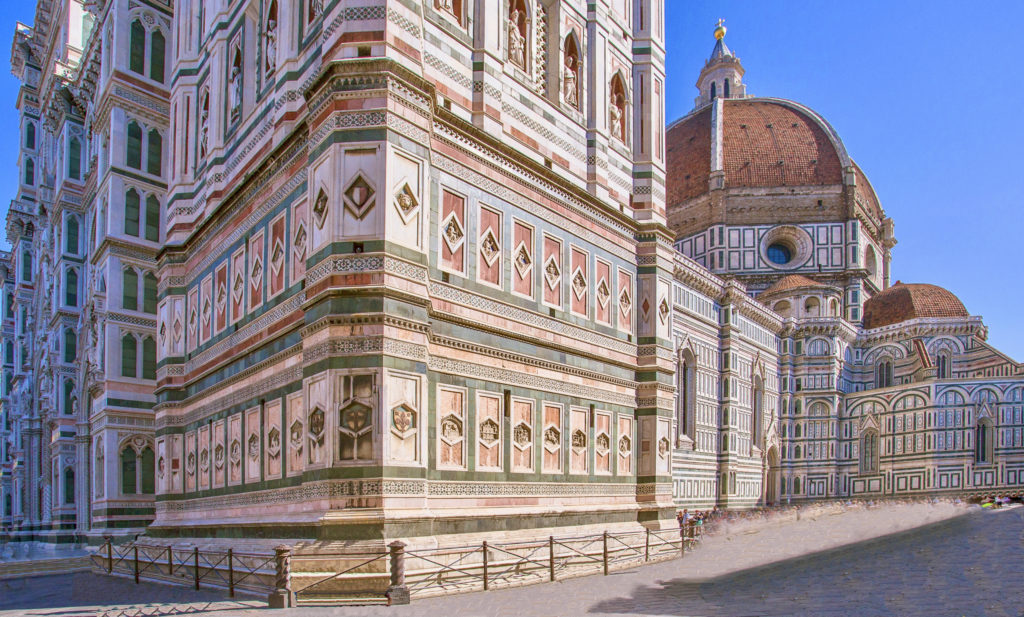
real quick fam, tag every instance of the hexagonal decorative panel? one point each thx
(489, 431)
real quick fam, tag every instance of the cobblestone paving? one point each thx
(969, 565)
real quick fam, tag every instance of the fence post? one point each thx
(551, 553)
(485, 565)
(110, 554)
(135, 547)
(170, 560)
(398, 592)
(282, 596)
(231, 573)
(682, 540)
(647, 545)
(605, 551)
(195, 562)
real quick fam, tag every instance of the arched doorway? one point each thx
(770, 484)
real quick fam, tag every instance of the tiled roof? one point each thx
(767, 144)
(903, 302)
(689, 157)
(791, 282)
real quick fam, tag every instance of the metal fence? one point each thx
(396, 575)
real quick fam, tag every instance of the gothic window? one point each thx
(148, 358)
(70, 345)
(758, 410)
(149, 293)
(69, 486)
(131, 212)
(812, 307)
(870, 261)
(71, 288)
(517, 41)
(69, 397)
(71, 236)
(796, 486)
(869, 452)
(9, 306)
(725, 88)
(128, 472)
(26, 269)
(157, 46)
(137, 48)
(883, 374)
(942, 363)
(75, 159)
(30, 172)
(133, 152)
(152, 219)
(154, 153)
(9, 353)
(617, 108)
(130, 290)
(983, 442)
(204, 122)
(714, 90)
(571, 73)
(30, 136)
(685, 401)
(129, 356)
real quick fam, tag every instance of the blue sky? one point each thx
(925, 96)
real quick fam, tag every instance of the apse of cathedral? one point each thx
(358, 271)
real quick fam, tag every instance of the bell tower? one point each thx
(722, 75)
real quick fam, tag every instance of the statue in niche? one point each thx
(516, 40)
(616, 115)
(271, 46)
(315, 8)
(571, 81)
(446, 5)
(235, 91)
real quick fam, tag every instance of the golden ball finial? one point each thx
(720, 30)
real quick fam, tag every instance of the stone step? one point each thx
(43, 567)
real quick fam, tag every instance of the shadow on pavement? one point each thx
(949, 567)
(86, 593)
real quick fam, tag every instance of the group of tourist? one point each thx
(696, 523)
(999, 501)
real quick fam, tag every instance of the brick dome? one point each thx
(792, 282)
(903, 302)
(763, 143)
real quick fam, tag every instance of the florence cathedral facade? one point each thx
(359, 270)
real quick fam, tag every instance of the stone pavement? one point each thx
(966, 562)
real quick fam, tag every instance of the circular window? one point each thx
(779, 254)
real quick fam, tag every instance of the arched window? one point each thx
(129, 356)
(69, 397)
(685, 401)
(714, 90)
(782, 308)
(148, 358)
(147, 471)
(70, 345)
(75, 159)
(154, 153)
(30, 172)
(149, 293)
(796, 486)
(869, 452)
(796, 431)
(156, 56)
(9, 352)
(796, 453)
(129, 472)
(725, 88)
(137, 48)
(69, 486)
(9, 308)
(942, 362)
(883, 374)
(71, 288)
(71, 236)
(983, 442)
(617, 108)
(758, 407)
(130, 289)
(571, 77)
(30, 136)
(133, 146)
(26, 267)
(833, 307)
(152, 218)
(131, 213)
